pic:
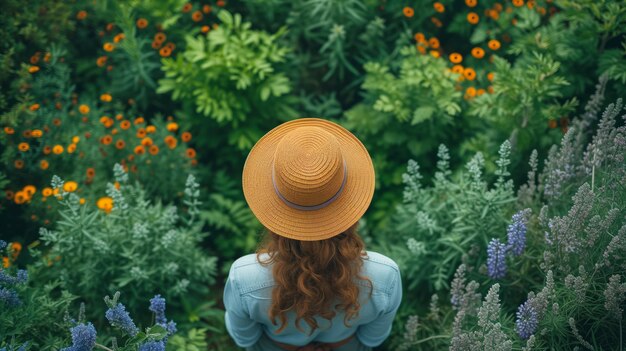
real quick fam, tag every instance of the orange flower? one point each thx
(105, 204)
(108, 47)
(147, 141)
(37, 133)
(29, 190)
(196, 16)
(408, 12)
(70, 186)
(160, 37)
(170, 141)
(172, 126)
(165, 52)
(456, 57)
(84, 109)
(33, 69)
(150, 129)
(142, 23)
(421, 49)
(35, 58)
(81, 15)
(120, 144)
(436, 22)
(471, 3)
(109, 27)
(206, 9)
(5, 262)
(191, 153)
(518, 3)
(420, 38)
(19, 164)
(125, 125)
(34, 107)
(220, 3)
(57, 149)
(91, 172)
(186, 136)
(458, 69)
(23, 147)
(27, 133)
(490, 89)
(106, 97)
(490, 76)
(153, 149)
(439, 7)
(46, 191)
(43, 164)
(478, 53)
(56, 122)
(170, 45)
(81, 201)
(9, 130)
(435, 53)
(493, 44)
(118, 38)
(470, 92)
(480, 92)
(187, 7)
(141, 133)
(106, 140)
(473, 17)
(552, 123)
(71, 148)
(9, 194)
(20, 197)
(139, 120)
(75, 139)
(469, 73)
(433, 43)
(47, 150)
(498, 7)
(140, 150)
(494, 14)
(101, 61)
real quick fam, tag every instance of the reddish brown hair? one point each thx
(311, 274)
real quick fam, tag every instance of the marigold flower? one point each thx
(34, 107)
(141, 133)
(43, 164)
(75, 139)
(187, 7)
(20, 197)
(170, 141)
(125, 124)
(480, 92)
(186, 136)
(139, 120)
(35, 58)
(433, 43)
(490, 76)
(150, 129)
(84, 109)
(470, 92)
(156, 45)
(71, 148)
(56, 122)
(439, 7)
(33, 69)
(147, 141)
(171, 46)
(165, 52)
(70, 186)
(408, 12)
(106, 140)
(191, 153)
(47, 191)
(118, 38)
(473, 17)
(196, 16)
(108, 47)
(153, 149)
(497, 6)
(458, 69)
(456, 57)
(490, 89)
(36, 133)
(478, 53)
(220, 3)
(9, 130)
(172, 126)
(494, 14)
(160, 37)
(435, 53)
(420, 38)
(469, 73)
(206, 9)
(105, 204)
(57, 149)
(81, 15)
(30, 190)
(552, 123)
(106, 97)
(140, 150)
(436, 22)
(9, 194)
(23, 147)
(47, 150)
(27, 133)
(81, 201)
(493, 44)
(471, 3)
(101, 61)
(142, 23)
(518, 3)
(109, 27)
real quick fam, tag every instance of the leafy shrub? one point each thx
(129, 244)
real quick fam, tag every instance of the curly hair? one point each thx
(311, 274)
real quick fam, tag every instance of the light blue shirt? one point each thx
(247, 299)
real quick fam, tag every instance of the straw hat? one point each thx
(308, 179)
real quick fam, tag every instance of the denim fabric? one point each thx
(247, 298)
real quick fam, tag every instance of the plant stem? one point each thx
(431, 338)
(103, 347)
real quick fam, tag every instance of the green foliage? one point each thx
(193, 341)
(140, 248)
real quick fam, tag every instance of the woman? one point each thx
(311, 285)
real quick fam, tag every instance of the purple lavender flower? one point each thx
(118, 317)
(496, 254)
(152, 346)
(526, 322)
(516, 233)
(171, 327)
(157, 305)
(9, 297)
(3, 244)
(83, 337)
(22, 276)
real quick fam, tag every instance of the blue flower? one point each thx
(526, 322)
(118, 317)
(83, 337)
(22, 276)
(157, 305)
(9, 297)
(171, 327)
(516, 233)
(496, 255)
(3, 244)
(152, 346)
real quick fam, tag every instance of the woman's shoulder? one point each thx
(379, 259)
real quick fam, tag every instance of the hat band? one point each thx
(314, 207)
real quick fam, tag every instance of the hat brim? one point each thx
(318, 224)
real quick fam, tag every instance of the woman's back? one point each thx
(248, 296)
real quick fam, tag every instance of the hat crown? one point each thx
(308, 166)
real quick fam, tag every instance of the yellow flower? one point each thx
(106, 97)
(75, 139)
(105, 204)
(172, 126)
(57, 149)
(46, 191)
(84, 109)
(36, 133)
(70, 186)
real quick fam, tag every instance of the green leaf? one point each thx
(422, 114)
